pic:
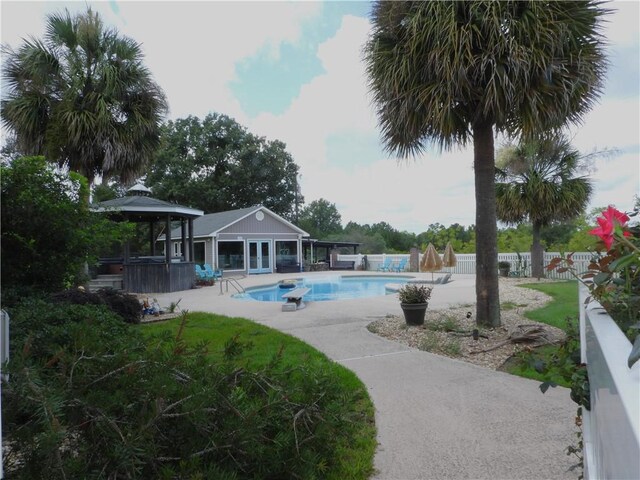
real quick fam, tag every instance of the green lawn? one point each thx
(217, 330)
(356, 446)
(563, 305)
(550, 362)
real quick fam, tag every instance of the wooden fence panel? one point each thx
(158, 277)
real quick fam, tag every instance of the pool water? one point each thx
(327, 288)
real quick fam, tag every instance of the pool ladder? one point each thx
(234, 283)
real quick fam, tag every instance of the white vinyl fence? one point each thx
(611, 430)
(466, 262)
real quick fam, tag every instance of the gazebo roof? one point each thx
(142, 205)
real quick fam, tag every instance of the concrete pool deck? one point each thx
(437, 418)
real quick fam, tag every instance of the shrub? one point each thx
(413, 293)
(98, 401)
(76, 296)
(44, 329)
(123, 304)
(48, 231)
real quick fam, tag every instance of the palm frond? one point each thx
(538, 182)
(83, 96)
(436, 69)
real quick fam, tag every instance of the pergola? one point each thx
(320, 250)
(153, 273)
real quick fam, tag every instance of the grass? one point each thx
(446, 324)
(217, 330)
(523, 365)
(564, 304)
(511, 305)
(355, 447)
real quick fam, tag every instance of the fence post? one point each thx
(4, 356)
(414, 259)
(4, 341)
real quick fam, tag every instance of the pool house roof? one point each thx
(211, 224)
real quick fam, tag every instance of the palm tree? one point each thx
(448, 72)
(537, 181)
(83, 98)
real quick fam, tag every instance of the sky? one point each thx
(293, 71)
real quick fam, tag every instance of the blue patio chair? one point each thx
(386, 266)
(401, 265)
(201, 274)
(211, 272)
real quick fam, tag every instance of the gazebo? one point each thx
(167, 272)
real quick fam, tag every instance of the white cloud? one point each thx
(434, 188)
(611, 123)
(332, 102)
(191, 47)
(621, 26)
(193, 50)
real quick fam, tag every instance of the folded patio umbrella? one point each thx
(431, 261)
(449, 257)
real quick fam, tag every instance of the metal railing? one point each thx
(234, 283)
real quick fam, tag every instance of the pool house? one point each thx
(249, 240)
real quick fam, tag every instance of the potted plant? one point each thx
(504, 268)
(414, 300)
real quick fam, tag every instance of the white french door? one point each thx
(259, 256)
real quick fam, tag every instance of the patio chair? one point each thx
(443, 279)
(401, 265)
(201, 273)
(386, 266)
(211, 272)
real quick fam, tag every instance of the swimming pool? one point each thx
(327, 288)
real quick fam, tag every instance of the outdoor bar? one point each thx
(159, 273)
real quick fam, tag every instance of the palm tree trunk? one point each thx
(537, 253)
(487, 295)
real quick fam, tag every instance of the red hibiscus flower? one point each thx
(608, 221)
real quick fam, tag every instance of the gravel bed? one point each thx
(444, 331)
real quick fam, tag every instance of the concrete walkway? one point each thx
(437, 418)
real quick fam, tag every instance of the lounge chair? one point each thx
(343, 265)
(201, 274)
(386, 266)
(211, 272)
(401, 266)
(443, 279)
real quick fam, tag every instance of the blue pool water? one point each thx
(327, 288)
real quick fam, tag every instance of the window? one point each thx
(286, 252)
(231, 255)
(198, 253)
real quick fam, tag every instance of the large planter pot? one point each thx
(414, 312)
(504, 272)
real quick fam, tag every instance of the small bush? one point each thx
(43, 329)
(123, 304)
(96, 400)
(447, 324)
(413, 293)
(77, 296)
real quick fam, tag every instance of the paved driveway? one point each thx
(437, 418)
